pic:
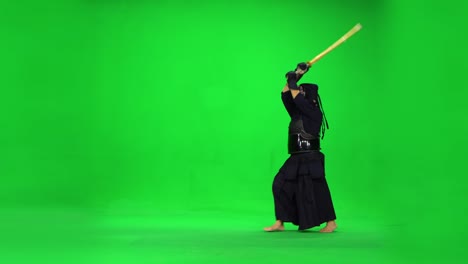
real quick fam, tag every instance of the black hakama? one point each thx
(301, 192)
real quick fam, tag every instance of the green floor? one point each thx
(204, 237)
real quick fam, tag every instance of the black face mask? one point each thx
(311, 94)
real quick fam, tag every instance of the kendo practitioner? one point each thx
(300, 190)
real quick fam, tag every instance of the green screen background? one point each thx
(160, 106)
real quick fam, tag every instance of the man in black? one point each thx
(300, 190)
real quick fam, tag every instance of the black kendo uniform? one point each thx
(300, 190)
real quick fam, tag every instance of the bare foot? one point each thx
(278, 226)
(330, 227)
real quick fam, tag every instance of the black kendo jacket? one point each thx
(300, 107)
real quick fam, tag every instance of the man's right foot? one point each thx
(329, 228)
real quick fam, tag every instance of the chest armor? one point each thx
(299, 141)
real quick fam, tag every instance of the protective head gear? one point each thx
(311, 95)
(311, 92)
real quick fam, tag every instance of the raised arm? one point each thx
(288, 101)
(303, 105)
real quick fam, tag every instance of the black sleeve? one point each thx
(306, 107)
(288, 102)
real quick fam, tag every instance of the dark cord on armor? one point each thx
(324, 125)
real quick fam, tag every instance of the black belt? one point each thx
(299, 144)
